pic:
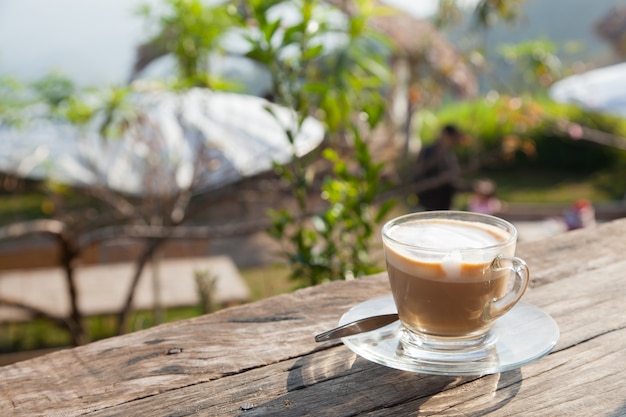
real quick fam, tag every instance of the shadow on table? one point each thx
(621, 412)
(351, 385)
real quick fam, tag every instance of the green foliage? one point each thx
(21, 206)
(54, 89)
(560, 150)
(486, 13)
(39, 334)
(348, 225)
(340, 84)
(205, 287)
(115, 110)
(311, 75)
(523, 131)
(536, 64)
(56, 97)
(448, 14)
(488, 120)
(612, 180)
(191, 31)
(336, 243)
(489, 12)
(13, 99)
(528, 185)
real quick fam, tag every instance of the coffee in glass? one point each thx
(450, 275)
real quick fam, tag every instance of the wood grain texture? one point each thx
(260, 359)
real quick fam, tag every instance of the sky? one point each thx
(90, 41)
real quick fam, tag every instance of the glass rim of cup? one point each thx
(449, 214)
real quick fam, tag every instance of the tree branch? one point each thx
(60, 321)
(579, 132)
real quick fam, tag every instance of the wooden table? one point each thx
(260, 359)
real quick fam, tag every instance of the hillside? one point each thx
(560, 21)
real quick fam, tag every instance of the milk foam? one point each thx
(447, 234)
(451, 238)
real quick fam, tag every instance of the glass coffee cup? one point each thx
(452, 274)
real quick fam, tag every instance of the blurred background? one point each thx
(161, 159)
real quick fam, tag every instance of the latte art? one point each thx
(448, 234)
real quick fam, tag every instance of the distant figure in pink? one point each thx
(484, 199)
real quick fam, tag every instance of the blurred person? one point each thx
(581, 214)
(438, 174)
(484, 199)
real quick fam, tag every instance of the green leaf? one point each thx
(270, 29)
(293, 34)
(312, 52)
(383, 210)
(331, 155)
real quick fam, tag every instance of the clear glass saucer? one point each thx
(524, 334)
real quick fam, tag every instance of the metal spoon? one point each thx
(359, 326)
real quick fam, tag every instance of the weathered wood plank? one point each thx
(574, 381)
(574, 252)
(585, 305)
(331, 382)
(261, 357)
(208, 347)
(336, 382)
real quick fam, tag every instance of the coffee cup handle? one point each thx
(519, 270)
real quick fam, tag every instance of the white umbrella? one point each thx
(198, 139)
(602, 89)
